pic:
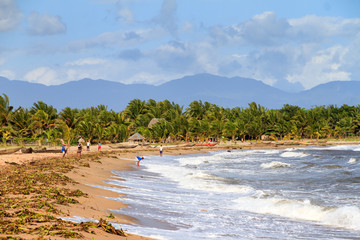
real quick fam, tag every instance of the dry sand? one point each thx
(95, 206)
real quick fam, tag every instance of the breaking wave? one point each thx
(275, 164)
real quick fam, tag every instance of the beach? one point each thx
(96, 172)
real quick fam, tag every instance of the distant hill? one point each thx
(336, 93)
(223, 91)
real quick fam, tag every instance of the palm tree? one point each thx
(255, 120)
(49, 110)
(216, 129)
(21, 124)
(118, 133)
(6, 110)
(241, 129)
(67, 122)
(195, 110)
(135, 108)
(41, 121)
(230, 130)
(161, 130)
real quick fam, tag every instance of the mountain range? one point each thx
(222, 91)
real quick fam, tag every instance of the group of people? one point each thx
(79, 148)
(142, 158)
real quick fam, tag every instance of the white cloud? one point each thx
(86, 61)
(10, 15)
(324, 66)
(145, 77)
(264, 28)
(167, 17)
(125, 15)
(42, 75)
(315, 28)
(45, 24)
(267, 29)
(310, 50)
(187, 27)
(261, 30)
(8, 74)
(77, 74)
(352, 58)
(120, 38)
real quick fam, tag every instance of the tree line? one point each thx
(169, 121)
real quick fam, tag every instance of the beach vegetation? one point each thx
(199, 121)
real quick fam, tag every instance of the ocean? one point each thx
(295, 193)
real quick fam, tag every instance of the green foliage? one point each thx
(199, 121)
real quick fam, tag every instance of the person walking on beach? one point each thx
(63, 149)
(88, 145)
(139, 159)
(79, 149)
(99, 147)
(161, 150)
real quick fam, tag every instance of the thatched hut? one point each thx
(153, 122)
(136, 137)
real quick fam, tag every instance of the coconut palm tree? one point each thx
(6, 110)
(67, 122)
(21, 124)
(40, 122)
(230, 130)
(195, 110)
(134, 108)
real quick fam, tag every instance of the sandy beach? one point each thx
(95, 206)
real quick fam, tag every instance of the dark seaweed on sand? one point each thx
(30, 196)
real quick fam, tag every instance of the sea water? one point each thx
(297, 193)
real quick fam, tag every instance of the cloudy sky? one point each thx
(280, 42)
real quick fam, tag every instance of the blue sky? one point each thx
(286, 44)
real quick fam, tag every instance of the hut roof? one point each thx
(153, 121)
(136, 136)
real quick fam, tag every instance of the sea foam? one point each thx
(353, 160)
(293, 155)
(195, 179)
(345, 217)
(275, 164)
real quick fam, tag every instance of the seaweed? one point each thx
(31, 193)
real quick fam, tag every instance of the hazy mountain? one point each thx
(336, 93)
(226, 92)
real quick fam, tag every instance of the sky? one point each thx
(287, 44)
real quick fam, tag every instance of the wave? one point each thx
(344, 147)
(236, 154)
(293, 154)
(332, 166)
(353, 160)
(195, 179)
(275, 164)
(223, 157)
(205, 182)
(345, 217)
(197, 160)
(271, 151)
(192, 160)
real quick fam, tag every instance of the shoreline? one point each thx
(96, 206)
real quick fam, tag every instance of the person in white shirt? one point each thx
(161, 150)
